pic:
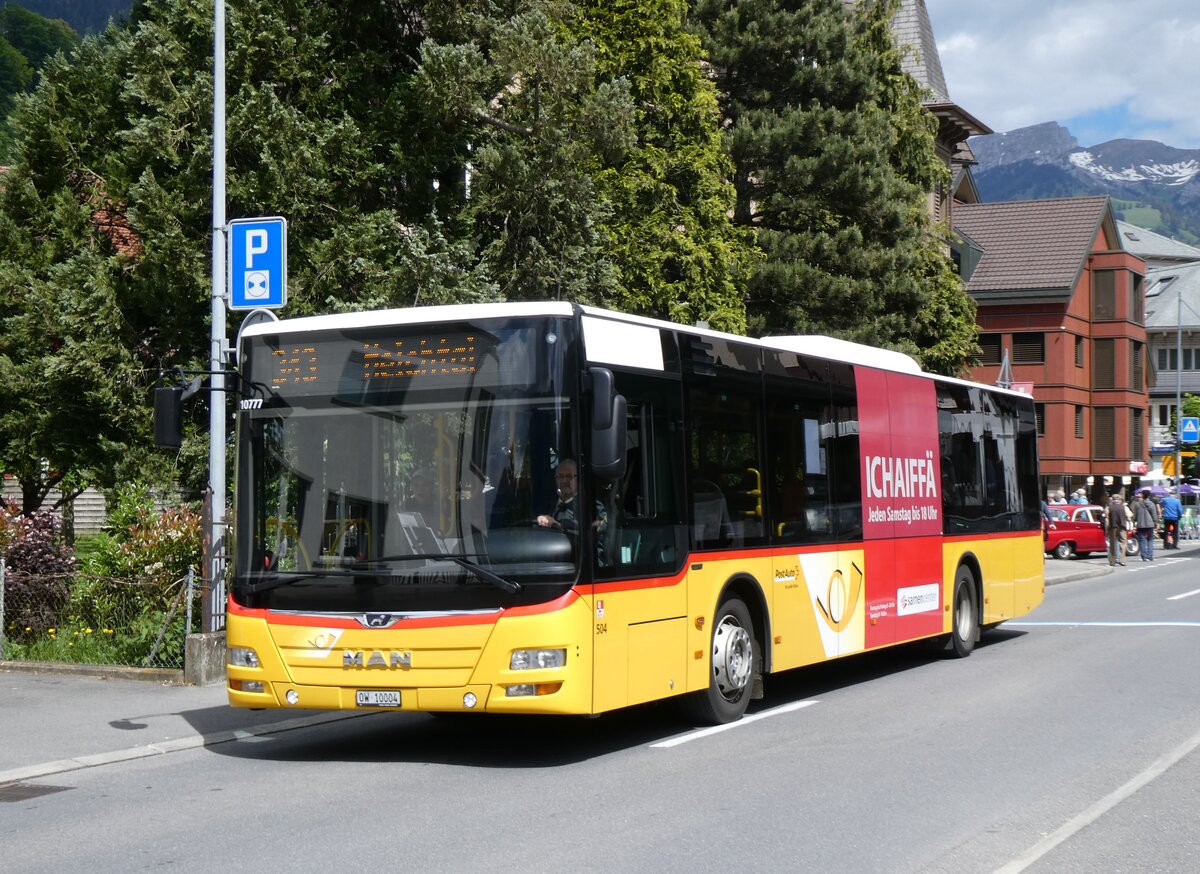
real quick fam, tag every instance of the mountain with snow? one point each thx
(1152, 185)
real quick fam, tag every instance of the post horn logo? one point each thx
(841, 599)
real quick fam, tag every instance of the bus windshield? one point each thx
(403, 470)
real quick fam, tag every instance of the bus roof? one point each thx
(818, 346)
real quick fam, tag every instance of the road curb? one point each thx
(1074, 576)
(174, 745)
(166, 676)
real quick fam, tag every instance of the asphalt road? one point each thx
(1067, 742)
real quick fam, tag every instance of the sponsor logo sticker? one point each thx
(918, 599)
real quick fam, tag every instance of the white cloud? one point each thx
(1024, 62)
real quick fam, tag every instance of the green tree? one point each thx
(520, 95)
(108, 204)
(35, 37)
(834, 159)
(26, 40)
(674, 249)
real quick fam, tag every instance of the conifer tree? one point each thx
(675, 251)
(833, 163)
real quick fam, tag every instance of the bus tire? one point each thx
(964, 616)
(731, 669)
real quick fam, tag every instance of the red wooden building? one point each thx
(1061, 296)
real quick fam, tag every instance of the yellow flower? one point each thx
(108, 631)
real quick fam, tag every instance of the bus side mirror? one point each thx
(168, 417)
(608, 427)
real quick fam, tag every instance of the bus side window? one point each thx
(643, 532)
(724, 458)
(803, 449)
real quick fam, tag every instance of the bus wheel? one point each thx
(732, 670)
(964, 627)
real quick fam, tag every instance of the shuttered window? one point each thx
(1040, 411)
(1137, 373)
(1136, 449)
(1137, 298)
(1079, 352)
(1104, 432)
(1104, 295)
(1104, 365)
(1029, 348)
(989, 345)
(1079, 421)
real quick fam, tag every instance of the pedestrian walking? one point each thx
(1080, 497)
(1172, 511)
(1145, 520)
(1116, 528)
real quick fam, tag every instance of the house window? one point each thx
(1104, 364)
(1137, 300)
(1164, 415)
(1079, 421)
(1028, 348)
(1104, 432)
(1079, 351)
(1136, 448)
(1039, 410)
(1187, 359)
(1104, 295)
(989, 345)
(1162, 359)
(1137, 375)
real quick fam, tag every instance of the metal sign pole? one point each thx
(217, 339)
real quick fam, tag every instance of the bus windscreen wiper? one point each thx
(463, 560)
(274, 580)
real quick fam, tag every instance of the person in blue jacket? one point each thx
(1172, 510)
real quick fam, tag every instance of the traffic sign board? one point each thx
(257, 263)
(1189, 429)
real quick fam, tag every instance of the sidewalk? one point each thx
(63, 721)
(1072, 569)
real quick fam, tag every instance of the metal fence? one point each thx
(79, 618)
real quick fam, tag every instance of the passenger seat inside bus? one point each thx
(711, 525)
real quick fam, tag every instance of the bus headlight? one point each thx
(242, 657)
(531, 659)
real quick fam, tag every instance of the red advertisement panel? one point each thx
(898, 440)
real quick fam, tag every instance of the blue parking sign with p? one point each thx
(257, 263)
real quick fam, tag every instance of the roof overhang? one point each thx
(955, 124)
(1024, 295)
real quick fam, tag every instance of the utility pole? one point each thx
(215, 572)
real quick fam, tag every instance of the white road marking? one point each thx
(1184, 595)
(745, 720)
(1112, 624)
(1101, 807)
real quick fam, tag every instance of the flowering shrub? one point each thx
(148, 549)
(124, 604)
(39, 567)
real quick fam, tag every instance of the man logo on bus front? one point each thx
(378, 620)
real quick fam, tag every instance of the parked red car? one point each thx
(1078, 530)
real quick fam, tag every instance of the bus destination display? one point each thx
(338, 365)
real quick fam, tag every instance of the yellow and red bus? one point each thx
(551, 508)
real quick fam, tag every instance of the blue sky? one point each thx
(1105, 69)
